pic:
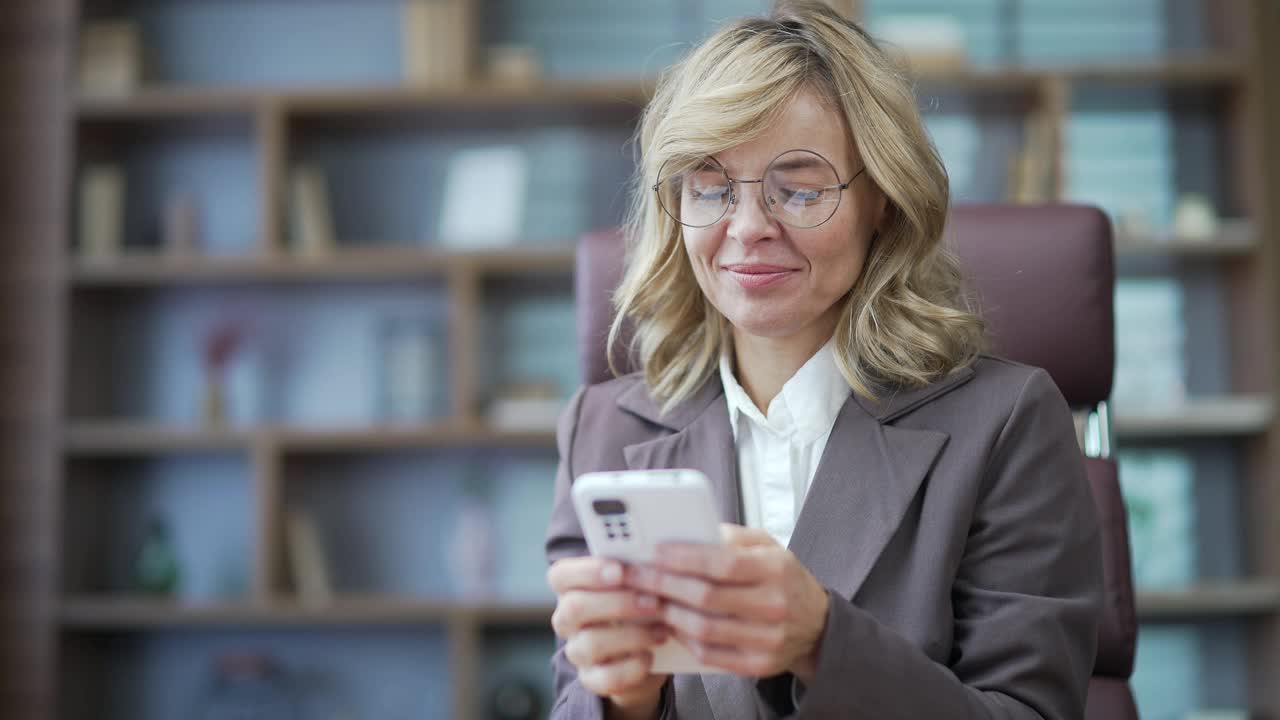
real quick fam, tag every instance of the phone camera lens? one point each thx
(609, 507)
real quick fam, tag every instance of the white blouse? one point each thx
(778, 451)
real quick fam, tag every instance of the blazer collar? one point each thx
(893, 402)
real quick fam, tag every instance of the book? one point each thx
(513, 65)
(110, 62)
(308, 563)
(1159, 497)
(1151, 351)
(102, 190)
(484, 197)
(311, 220)
(432, 34)
(1029, 167)
(924, 41)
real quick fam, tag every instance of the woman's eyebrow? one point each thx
(799, 163)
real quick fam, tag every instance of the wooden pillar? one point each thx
(34, 159)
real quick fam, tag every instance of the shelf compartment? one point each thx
(382, 671)
(203, 501)
(416, 523)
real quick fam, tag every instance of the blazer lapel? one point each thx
(864, 484)
(703, 441)
(869, 473)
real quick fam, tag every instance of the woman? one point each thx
(911, 534)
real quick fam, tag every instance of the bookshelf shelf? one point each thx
(107, 438)
(155, 271)
(370, 440)
(1257, 597)
(162, 103)
(1198, 417)
(103, 614)
(1234, 239)
(166, 102)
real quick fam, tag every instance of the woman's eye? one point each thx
(804, 195)
(708, 194)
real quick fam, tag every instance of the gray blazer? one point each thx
(952, 526)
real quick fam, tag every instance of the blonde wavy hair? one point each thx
(906, 322)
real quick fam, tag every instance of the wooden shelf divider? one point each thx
(272, 176)
(1235, 238)
(178, 102)
(1233, 599)
(268, 563)
(384, 264)
(108, 438)
(116, 613)
(1223, 416)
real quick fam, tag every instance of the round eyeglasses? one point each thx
(800, 188)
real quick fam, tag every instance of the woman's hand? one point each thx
(748, 606)
(609, 632)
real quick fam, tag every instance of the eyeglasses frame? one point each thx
(733, 195)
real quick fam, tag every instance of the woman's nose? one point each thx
(749, 219)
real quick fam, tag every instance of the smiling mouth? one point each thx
(757, 275)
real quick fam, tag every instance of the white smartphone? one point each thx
(624, 515)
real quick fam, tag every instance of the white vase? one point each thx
(473, 549)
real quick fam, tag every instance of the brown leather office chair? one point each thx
(1044, 281)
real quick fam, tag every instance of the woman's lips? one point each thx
(758, 275)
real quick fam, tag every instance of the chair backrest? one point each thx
(1043, 279)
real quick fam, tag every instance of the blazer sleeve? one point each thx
(564, 539)
(1026, 598)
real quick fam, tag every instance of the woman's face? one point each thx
(771, 279)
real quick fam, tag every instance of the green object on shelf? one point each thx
(156, 566)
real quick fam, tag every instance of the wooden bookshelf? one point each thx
(280, 122)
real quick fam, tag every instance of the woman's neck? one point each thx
(762, 365)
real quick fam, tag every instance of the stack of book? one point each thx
(1150, 343)
(1159, 496)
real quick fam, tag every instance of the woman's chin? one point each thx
(765, 323)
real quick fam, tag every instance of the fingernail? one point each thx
(611, 574)
(643, 576)
(646, 602)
